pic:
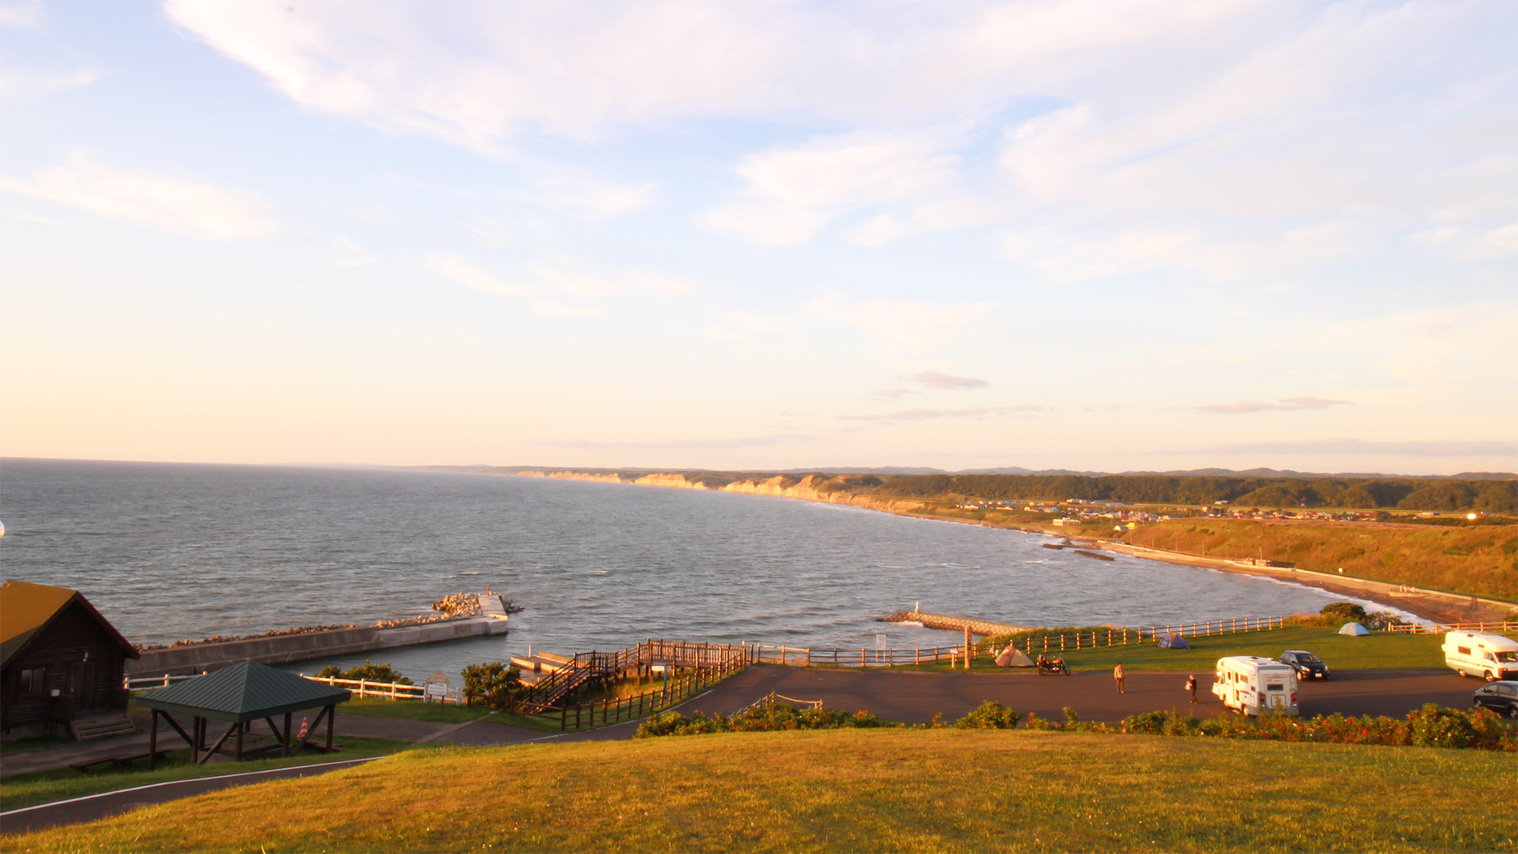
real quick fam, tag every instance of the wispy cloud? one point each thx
(155, 201)
(1456, 448)
(976, 413)
(697, 444)
(1291, 404)
(936, 380)
(901, 324)
(550, 283)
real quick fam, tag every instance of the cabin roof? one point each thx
(26, 609)
(243, 692)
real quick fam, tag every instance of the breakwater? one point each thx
(283, 649)
(945, 621)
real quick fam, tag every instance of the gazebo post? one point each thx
(331, 717)
(239, 740)
(284, 743)
(153, 741)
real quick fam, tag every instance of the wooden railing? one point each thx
(368, 688)
(1038, 644)
(616, 710)
(1507, 627)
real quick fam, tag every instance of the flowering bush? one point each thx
(1431, 726)
(768, 718)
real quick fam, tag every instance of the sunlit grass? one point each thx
(912, 790)
(62, 783)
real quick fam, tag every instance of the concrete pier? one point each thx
(282, 649)
(945, 621)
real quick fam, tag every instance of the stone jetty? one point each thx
(946, 621)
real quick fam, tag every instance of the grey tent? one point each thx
(239, 695)
(1013, 657)
(1354, 630)
(1174, 641)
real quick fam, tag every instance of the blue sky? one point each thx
(1095, 235)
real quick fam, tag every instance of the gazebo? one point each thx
(240, 694)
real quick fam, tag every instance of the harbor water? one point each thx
(178, 551)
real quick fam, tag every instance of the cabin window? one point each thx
(1463, 650)
(1274, 687)
(33, 680)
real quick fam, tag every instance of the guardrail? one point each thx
(1508, 626)
(1067, 642)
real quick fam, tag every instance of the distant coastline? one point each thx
(1433, 605)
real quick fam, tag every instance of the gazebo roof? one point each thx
(243, 692)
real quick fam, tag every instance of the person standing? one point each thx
(1191, 686)
(1117, 676)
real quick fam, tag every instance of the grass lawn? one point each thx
(412, 710)
(897, 790)
(63, 783)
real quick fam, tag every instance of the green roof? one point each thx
(243, 692)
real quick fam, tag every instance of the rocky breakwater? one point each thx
(984, 628)
(453, 620)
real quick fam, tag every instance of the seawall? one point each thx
(283, 649)
(944, 621)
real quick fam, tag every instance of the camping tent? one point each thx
(1174, 641)
(1354, 630)
(1013, 657)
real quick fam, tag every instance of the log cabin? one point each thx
(60, 664)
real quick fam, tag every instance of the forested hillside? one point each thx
(1490, 496)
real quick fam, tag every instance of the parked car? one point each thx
(1500, 697)
(1307, 665)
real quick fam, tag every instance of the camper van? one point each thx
(1489, 656)
(1252, 685)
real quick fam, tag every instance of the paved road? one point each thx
(911, 697)
(916, 697)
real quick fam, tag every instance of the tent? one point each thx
(1013, 657)
(1174, 641)
(1354, 630)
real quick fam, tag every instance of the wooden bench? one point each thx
(117, 760)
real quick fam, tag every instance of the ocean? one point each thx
(180, 551)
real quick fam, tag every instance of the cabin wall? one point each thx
(78, 658)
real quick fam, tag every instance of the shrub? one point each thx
(989, 715)
(369, 672)
(768, 718)
(1436, 726)
(493, 683)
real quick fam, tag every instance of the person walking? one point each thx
(1117, 676)
(1191, 686)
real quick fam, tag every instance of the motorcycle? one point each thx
(1049, 666)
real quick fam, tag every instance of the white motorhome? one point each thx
(1252, 685)
(1489, 656)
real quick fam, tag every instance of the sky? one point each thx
(1102, 236)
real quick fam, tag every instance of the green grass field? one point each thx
(898, 790)
(61, 784)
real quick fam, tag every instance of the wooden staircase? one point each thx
(101, 725)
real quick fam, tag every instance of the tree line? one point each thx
(1490, 496)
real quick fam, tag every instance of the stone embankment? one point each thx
(983, 628)
(462, 615)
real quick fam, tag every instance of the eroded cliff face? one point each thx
(809, 488)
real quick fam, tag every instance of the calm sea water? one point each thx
(170, 551)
